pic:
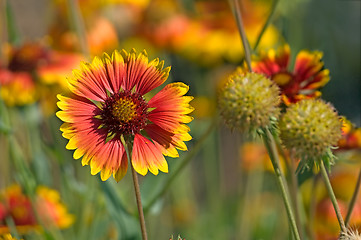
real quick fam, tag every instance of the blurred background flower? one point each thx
(30, 213)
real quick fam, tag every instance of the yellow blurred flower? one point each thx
(203, 107)
(17, 88)
(7, 237)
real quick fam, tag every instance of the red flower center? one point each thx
(124, 113)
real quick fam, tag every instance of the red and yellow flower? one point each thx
(17, 88)
(26, 214)
(303, 82)
(35, 73)
(109, 107)
(351, 136)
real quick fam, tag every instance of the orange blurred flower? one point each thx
(212, 33)
(46, 209)
(254, 156)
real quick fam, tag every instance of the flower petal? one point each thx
(146, 156)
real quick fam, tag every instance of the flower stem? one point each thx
(137, 193)
(312, 210)
(353, 199)
(79, 26)
(271, 149)
(332, 197)
(294, 193)
(268, 21)
(238, 15)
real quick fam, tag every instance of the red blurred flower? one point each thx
(34, 73)
(300, 83)
(25, 213)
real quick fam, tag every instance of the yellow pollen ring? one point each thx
(282, 78)
(124, 109)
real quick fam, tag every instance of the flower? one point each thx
(310, 128)
(351, 136)
(46, 206)
(248, 101)
(109, 105)
(17, 88)
(7, 237)
(213, 32)
(301, 83)
(35, 73)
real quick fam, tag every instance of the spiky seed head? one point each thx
(351, 234)
(248, 101)
(310, 128)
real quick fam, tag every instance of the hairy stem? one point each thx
(137, 193)
(272, 151)
(238, 15)
(353, 199)
(265, 26)
(79, 26)
(332, 197)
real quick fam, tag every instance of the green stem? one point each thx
(184, 163)
(137, 192)
(312, 210)
(294, 194)
(272, 151)
(353, 199)
(265, 26)
(238, 15)
(332, 197)
(79, 26)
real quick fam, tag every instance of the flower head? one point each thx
(248, 101)
(46, 206)
(352, 234)
(310, 128)
(17, 88)
(351, 136)
(109, 105)
(303, 82)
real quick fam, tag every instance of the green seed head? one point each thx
(248, 101)
(310, 128)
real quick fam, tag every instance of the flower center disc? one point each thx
(124, 109)
(124, 113)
